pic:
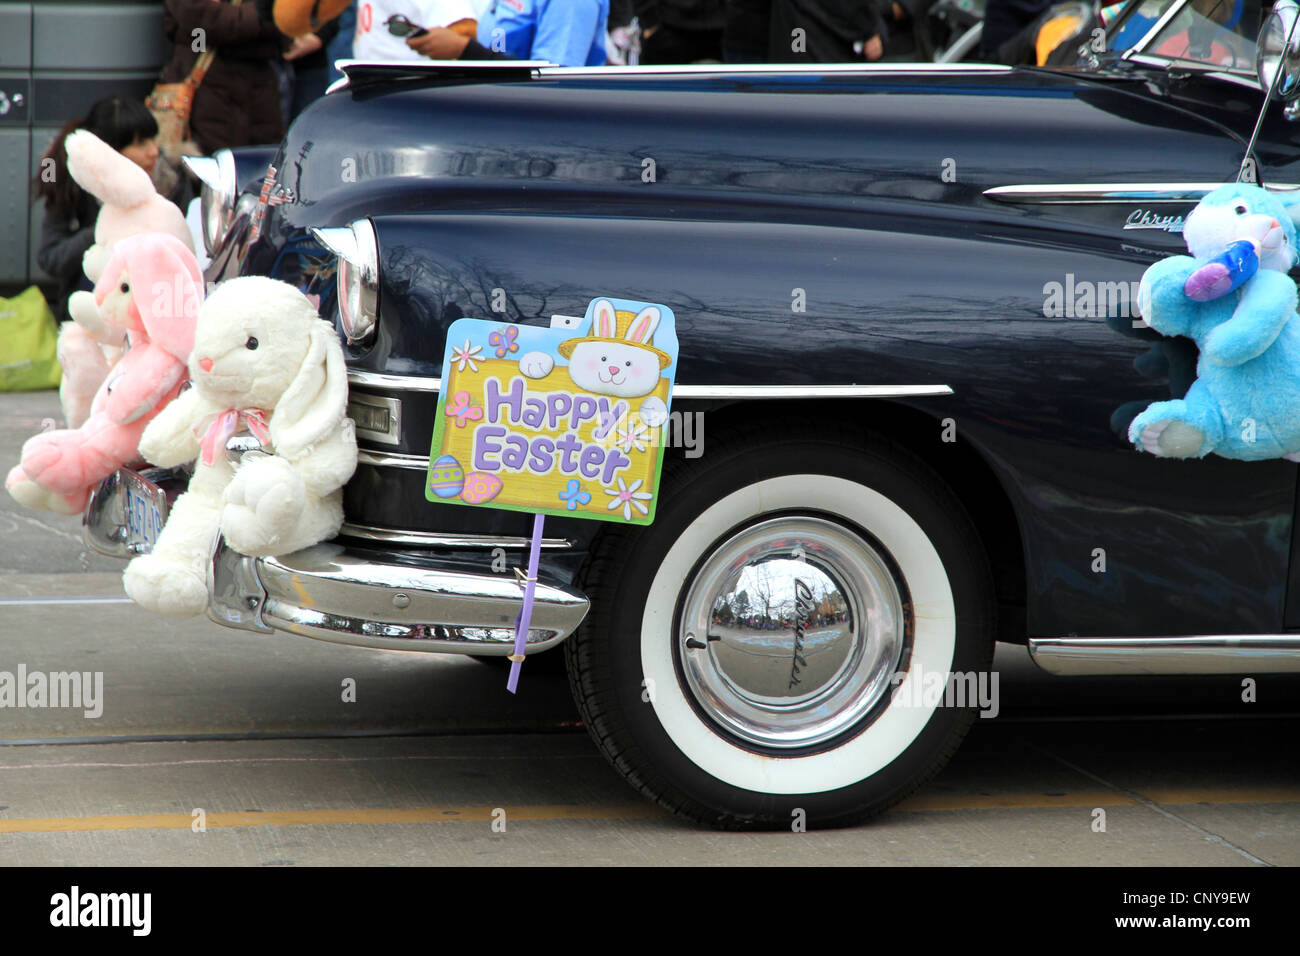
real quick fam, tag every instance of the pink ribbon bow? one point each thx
(226, 424)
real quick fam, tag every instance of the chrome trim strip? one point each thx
(542, 69)
(808, 391)
(428, 539)
(1213, 654)
(397, 383)
(801, 68)
(383, 459)
(1243, 78)
(433, 66)
(404, 383)
(1127, 193)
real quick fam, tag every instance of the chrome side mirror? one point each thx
(1278, 61)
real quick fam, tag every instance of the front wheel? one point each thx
(783, 645)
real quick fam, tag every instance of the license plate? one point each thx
(125, 515)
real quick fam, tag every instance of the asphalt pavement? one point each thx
(213, 746)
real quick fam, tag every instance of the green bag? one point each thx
(28, 343)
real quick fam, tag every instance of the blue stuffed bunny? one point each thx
(1232, 297)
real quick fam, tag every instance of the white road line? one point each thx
(77, 599)
(321, 759)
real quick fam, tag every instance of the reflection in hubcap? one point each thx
(791, 631)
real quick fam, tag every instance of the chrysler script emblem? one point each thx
(1146, 219)
(803, 609)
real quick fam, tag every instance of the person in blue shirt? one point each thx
(564, 32)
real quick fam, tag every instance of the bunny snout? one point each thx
(1263, 230)
(205, 364)
(613, 370)
(1273, 235)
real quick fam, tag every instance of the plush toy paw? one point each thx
(1225, 272)
(54, 460)
(31, 495)
(85, 313)
(95, 259)
(1166, 437)
(263, 504)
(165, 587)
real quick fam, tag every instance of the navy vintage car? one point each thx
(910, 350)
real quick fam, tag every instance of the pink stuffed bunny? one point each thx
(150, 288)
(89, 345)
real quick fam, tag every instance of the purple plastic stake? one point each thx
(526, 615)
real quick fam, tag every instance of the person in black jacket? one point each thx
(745, 31)
(680, 31)
(808, 31)
(827, 31)
(238, 102)
(68, 229)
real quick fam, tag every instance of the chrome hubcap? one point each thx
(790, 632)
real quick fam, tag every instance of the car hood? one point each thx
(682, 141)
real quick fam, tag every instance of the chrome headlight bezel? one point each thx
(1277, 61)
(217, 197)
(357, 248)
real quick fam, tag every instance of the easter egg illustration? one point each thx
(480, 487)
(446, 477)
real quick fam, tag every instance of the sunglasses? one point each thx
(399, 26)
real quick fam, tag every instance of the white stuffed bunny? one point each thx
(264, 360)
(607, 363)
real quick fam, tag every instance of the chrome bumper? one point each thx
(345, 596)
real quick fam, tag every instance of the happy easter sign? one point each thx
(557, 421)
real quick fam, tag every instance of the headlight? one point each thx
(1278, 61)
(217, 199)
(358, 276)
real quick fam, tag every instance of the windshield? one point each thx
(1215, 33)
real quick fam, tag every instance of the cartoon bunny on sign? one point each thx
(618, 358)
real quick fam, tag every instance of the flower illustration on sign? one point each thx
(505, 341)
(464, 355)
(574, 495)
(463, 410)
(628, 497)
(633, 435)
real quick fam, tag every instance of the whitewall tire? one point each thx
(757, 655)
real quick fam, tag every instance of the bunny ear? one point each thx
(316, 400)
(104, 172)
(643, 327)
(167, 288)
(605, 323)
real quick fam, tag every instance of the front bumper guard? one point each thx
(333, 593)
